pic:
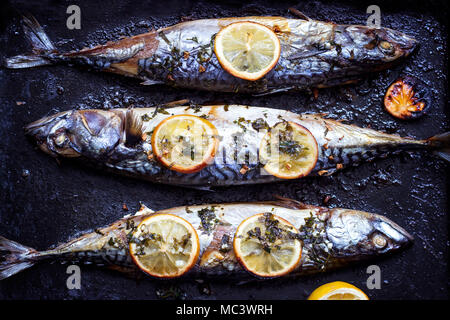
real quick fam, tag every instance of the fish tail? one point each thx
(15, 257)
(441, 145)
(42, 46)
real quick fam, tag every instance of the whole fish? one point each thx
(313, 54)
(330, 238)
(120, 140)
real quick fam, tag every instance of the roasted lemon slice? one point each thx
(288, 150)
(247, 50)
(267, 245)
(407, 98)
(165, 246)
(338, 290)
(185, 143)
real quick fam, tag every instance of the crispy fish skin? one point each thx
(313, 54)
(330, 237)
(119, 140)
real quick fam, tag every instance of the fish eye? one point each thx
(60, 140)
(386, 47)
(379, 241)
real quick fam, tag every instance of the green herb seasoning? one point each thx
(260, 124)
(171, 292)
(225, 244)
(288, 145)
(242, 122)
(195, 39)
(315, 241)
(144, 240)
(208, 218)
(273, 232)
(161, 110)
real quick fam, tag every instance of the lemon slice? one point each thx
(185, 143)
(288, 150)
(338, 290)
(165, 246)
(247, 50)
(266, 245)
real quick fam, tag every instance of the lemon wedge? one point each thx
(338, 290)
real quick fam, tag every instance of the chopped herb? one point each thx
(240, 122)
(260, 124)
(314, 239)
(195, 39)
(111, 242)
(171, 293)
(273, 232)
(161, 110)
(208, 218)
(225, 245)
(287, 144)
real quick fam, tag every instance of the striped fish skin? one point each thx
(100, 137)
(314, 54)
(331, 238)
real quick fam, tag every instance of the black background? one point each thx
(57, 201)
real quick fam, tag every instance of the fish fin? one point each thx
(151, 82)
(441, 143)
(133, 128)
(199, 188)
(143, 210)
(176, 103)
(272, 91)
(299, 14)
(24, 61)
(14, 257)
(36, 35)
(41, 45)
(293, 204)
(320, 115)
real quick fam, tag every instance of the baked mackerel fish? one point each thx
(120, 140)
(314, 54)
(330, 238)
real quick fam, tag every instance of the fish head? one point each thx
(374, 46)
(76, 133)
(357, 234)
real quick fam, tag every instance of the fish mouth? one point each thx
(40, 129)
(403, 43)
(43, 131)
(398, 236)
(408, 45)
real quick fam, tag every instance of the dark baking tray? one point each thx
(44, 202)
